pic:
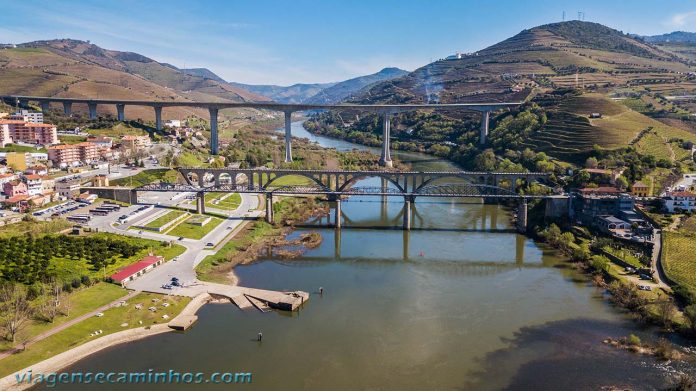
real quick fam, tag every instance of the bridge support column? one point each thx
(45, 106)
(67, 108)
(269, 208)
(92, 110)
(522, 216)
(385, 159)
(158, 117)
(406, 245)
(121, 112)
(288, 137)
(407, 213)
(200, 202)
(337, 244)
(337, 214)
(485, 120)
(214, 131)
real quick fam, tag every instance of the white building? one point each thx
(36, 117)
(679, 201)
(34, 185)
(173, 123)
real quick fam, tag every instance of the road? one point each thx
(656, 263)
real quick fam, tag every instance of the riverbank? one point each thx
(257, 237)
(69, 357)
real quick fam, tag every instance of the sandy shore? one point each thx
(67, 358)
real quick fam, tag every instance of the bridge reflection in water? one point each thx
(429, 236)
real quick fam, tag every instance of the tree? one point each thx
(15, 310)
(591, 162)
(50, 307)
(621, 183)
(666, 310)
(485, 161)
(690, 315)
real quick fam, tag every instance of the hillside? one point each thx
(296, 93)
(547, 56)
(565, 71)
(348, 88)
(71, 68)
(675, 36)
(204, 73)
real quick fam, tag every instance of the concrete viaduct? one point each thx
(336, 185)
(385, 110)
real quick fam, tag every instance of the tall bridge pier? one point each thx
(385, 110)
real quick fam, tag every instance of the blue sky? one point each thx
(292, 41)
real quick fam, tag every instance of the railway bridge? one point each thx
(337, 185)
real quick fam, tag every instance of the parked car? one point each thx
(209, 244)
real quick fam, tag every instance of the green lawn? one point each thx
(81, 302)
(109, 323)
(117, 131)
(35, 227)
(164, 219)
(232, 201)
(148, 176)
(191, 231)
(21, 148)
(71, 139)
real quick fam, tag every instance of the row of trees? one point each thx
(27, 259)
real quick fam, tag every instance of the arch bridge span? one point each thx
(336, 184)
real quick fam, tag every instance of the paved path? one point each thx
(69, 323)
(656, 263)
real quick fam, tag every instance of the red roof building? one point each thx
(135, 270)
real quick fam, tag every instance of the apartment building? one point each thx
(65, 155)
(136, 142)
(34, 184)
(36, 117)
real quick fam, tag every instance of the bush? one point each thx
(85, 281)
(600, 263)
(76, 283)
(634, 340)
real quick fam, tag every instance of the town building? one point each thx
(173, 123)
(132, 271)
(5, 133)
(16, 160)
(612, 225)
(36, 117)
(34, 184)
(15, 131)
(72, 154)
(4, 178)
(14, 188)
(100, 181)
(102, 142)
(640, 189)
(48, 184)
(36, 169)
(136, 142)
(591, 203)
(679, 201)
(68, 188)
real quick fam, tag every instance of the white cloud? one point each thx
(682, 19)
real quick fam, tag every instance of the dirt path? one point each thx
(67, 324)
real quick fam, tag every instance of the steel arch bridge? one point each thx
(336, 183)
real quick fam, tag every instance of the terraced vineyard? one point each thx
(565, 135)
(570, 134)
(678, 259)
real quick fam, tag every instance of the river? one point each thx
(465, 304)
